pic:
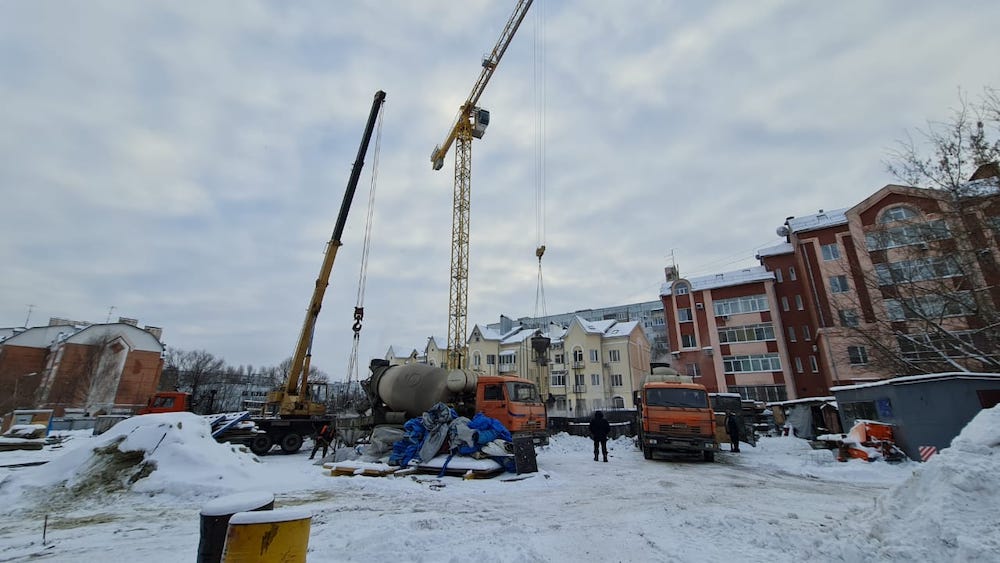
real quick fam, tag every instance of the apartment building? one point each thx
(902, 283)
(579, 368)
(726, 332)
(73, 365)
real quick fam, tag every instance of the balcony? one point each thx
(557, 367)
(579, 388)
(579, 365)
(507, 368)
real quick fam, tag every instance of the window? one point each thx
(805, 333)
(617, 402)
(684, 315)
(688, 341)
(508, 359)
(907, 271)
(477, 359)
(766, 393)
(791, 273)
(930, 306)
(838, 284)
(614, 355)
(595, 379)
(791, 334)
(682, 289)
(813, 365)
(491, 359)
(798, 302)
(905, 235)
(559, 358)
(579, 379)
(897, 214)
(493, 393)
(581, 405)
(858, 355)
(935, 347)
(751, 363)
(594, 356)
(558, 379)
(694, 370)
(784, 303)
(577, 356)
(848, 317)
(747, 333)
(737, 305)
(830, 251)
(616, 380)
(798, 365)
(777, 275)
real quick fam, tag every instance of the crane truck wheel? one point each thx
(647, 452)
(261, 444)
(291, 442)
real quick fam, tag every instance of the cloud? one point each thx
(185, 164)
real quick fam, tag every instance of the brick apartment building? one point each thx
(904, 282)
(68, 365)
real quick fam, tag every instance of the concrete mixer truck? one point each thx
(398, 393)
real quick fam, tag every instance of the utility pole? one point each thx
(28, 318)
(110, 310)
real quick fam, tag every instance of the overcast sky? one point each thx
(184, 162)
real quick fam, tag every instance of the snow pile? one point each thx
(171, 453)
(948, 510)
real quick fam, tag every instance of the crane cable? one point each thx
(538, 83)
(359, 308)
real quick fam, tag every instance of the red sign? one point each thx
(926, 452)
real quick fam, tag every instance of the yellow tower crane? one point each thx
(471, 123)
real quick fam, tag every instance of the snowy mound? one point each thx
(947, 510)
(171, 453)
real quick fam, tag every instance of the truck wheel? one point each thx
(708, 456)
(261, 444)
(291, 442)
(647, 452)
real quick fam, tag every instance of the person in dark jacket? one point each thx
(733, 429)
(599, 430)
(323, 439)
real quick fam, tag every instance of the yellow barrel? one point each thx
(268, 536)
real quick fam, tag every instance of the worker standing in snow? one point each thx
(599, 430)
(323, 439)
(733, 429)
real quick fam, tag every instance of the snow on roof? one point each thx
(595, 326)
(820, 220)
(621, 329)
(41, 336)
(920, 378)
(401, 351)
(803, 400)
(519, 336)
(776, 250)
(725, 279)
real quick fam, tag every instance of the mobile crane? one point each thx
(294, 411)
(471, 123)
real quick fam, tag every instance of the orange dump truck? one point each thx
(675, 416)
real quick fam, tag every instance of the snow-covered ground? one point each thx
(780, 501)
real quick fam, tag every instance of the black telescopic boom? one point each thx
(359, 163)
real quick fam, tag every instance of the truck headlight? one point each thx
(652, 440)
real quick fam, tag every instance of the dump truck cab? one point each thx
(675, 416)
(167, 401)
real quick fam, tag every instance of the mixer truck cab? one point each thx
(515, 403)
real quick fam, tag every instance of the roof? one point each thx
(819, 220)
(778, 249)
(910, 379)
(803, 400)
(725, 279)
(41, 336)
(599, 327)
(622, 329)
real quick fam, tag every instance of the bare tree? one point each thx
(937, 278)
(196, 371)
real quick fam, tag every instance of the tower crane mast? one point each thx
(471, 123)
